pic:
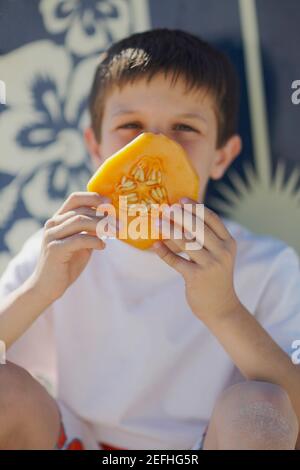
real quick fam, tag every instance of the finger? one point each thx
(191, 226)
(78, 241)
(76, 224)
(83, 198)
(192, 248)
(176, 262)
(58, 219)
(210, 218)
(194, 227)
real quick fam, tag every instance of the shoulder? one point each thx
(260, 248)
(30, 250)
(265, 267)
(22, 264)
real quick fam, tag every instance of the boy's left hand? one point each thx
(208, 274)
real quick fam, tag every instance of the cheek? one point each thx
(123, 137)
(200, 156)
(114, 141)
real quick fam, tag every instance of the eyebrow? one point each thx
(193, 116)
(183, 115)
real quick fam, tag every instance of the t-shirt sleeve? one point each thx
(278, 309)
(35, 349)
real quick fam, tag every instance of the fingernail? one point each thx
(156, 245)
(184, 200)
(105, 199)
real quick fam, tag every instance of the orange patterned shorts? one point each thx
(75, 434)
(77, 444)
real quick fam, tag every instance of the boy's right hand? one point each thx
(65, 249)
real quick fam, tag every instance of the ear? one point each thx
(225, 155)
(93, 146)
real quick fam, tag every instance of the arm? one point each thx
(68, 240)
(19, 310)
(210, 293)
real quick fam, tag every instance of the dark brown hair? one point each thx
(175, 53)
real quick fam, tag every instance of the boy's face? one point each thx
(188, 118)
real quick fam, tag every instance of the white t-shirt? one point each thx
(126, 352)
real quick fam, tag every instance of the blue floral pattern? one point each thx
(43, 157)
(87, 25)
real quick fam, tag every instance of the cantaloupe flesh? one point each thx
(151, 169)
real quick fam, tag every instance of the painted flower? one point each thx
(42, 149)
(88, 25)
(264, 204)
(43, 158)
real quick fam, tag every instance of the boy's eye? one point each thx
(184, 127)
(130, 125)
(180, 127)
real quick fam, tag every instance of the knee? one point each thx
(260, 410)
(257, 392)
(14, 383)
(29, 416)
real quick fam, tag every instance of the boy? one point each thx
(149, 349)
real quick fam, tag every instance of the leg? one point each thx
(29, 416)
(253, 415)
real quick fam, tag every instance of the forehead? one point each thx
(158, 94)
